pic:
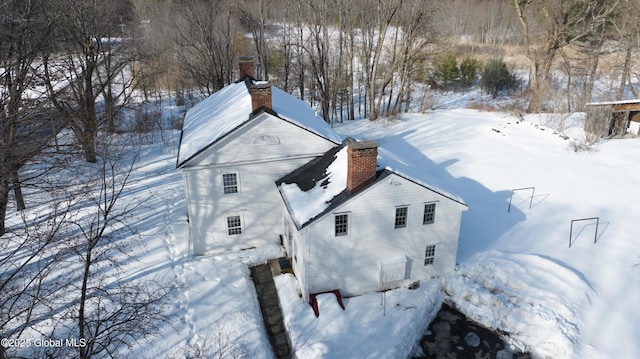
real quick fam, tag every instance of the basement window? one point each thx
(230, 183)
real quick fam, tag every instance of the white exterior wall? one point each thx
(239, 147)
(295, 246)
(352, 263)
(258, 201)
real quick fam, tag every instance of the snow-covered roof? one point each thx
(320, 185)
(221, 113)
(608, 103)
(311, 189)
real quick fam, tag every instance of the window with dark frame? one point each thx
(430, 255)
(234, 225)
(429, 213)
(342, 224)
(230, 183)
(401, 217)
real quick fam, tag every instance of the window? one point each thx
(429, 213)
(234, 225)
(401, 216)
(429, 255)
(230, 183)
(342, 224)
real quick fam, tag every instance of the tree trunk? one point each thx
(89, 125)
(625, 74)
(350, 83)
(4, 200)
(84, 353)
(541, 78)
(588, 91)
(109, 108)
(17, 189)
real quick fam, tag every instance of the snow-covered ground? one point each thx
(516, 271)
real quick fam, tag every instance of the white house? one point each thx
(234, 145)
(260, 167)
(355, 223)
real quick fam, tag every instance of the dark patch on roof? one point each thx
(309, 174)
(343, 197)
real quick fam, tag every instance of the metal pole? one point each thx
(570, 234)
(595, 238)
(532, 194)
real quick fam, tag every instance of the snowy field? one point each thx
(516, 271)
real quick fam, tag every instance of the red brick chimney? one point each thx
(260, 96)
(247, 67)
(361, 164)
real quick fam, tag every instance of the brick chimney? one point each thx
(361, 164)
(260, 96)
(247, 67)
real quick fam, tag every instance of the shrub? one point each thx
(497, 77)
(445, 69)
(469, 68)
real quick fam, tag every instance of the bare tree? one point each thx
(111, 314)
(87, 30)
(374, 36)
(29, 259)
(253, 15)
(547, 27)
(24, 34)
(208, 41)
(628, 35)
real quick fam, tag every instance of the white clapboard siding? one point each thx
(257, 167)
(373, 241)
(296, 249)
(264, 138)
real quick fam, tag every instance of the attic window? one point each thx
(266, 140)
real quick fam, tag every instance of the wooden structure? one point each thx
(625, 116)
